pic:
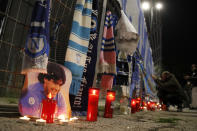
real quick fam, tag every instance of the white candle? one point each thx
(40, 122)
(73, 119)
(63, 121)
(24, 119)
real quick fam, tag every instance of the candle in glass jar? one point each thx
(48, 109)
(133, 105)
(93, 98)
(109, 104)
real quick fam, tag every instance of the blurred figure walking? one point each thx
(192, 84)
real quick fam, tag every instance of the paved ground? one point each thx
(140, 121)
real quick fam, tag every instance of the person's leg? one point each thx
(179, 102)
(194, 97)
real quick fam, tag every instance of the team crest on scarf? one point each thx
(36, 45)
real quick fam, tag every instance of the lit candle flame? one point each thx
(111, 95)
(94, 92)
(49, 95)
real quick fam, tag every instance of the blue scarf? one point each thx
(79, 106)
(78, 43)
(37, 44)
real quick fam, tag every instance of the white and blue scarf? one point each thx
(80, 103)
(78, 42)
(37, 44)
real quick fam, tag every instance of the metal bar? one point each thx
(17, 73)
(99, 40)
(63, 4)
(6, 17)
(13, 34)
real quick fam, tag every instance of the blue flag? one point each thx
(37, 44)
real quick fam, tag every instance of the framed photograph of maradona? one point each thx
(38, 86)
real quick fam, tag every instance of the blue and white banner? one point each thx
(133, 10)
(37, 44)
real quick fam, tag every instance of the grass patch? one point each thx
(168, 120)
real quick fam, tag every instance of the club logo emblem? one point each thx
(31, 101)
(78, 58)
(36, 45)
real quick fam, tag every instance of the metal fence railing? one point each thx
(15, 16)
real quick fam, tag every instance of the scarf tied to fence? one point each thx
(107, 62)
(37, 44)
(78, 42)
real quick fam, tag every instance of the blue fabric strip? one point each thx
(88, 1)
(107, 45)
(107, 39)
(76, 69)
(78, 47)
(108, 49)
(81, 31)
(85, 11)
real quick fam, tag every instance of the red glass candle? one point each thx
(133, 105)
(152, 106)
(48, 109)
(93, 98)
(144, 105)
(108, 104)
(138, 102)
(148, 105)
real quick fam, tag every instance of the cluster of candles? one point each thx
(61, 120)
(49, 107)
(137, 105)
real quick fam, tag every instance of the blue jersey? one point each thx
(31, 102)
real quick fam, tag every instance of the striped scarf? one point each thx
(79, 106)
(107, 62)
(78, 42)
(37, 44)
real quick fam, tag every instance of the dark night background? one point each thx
(178, 36)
